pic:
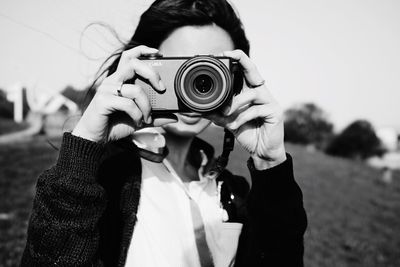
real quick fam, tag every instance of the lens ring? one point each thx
(202, 102)
(192, 95)
(203, 84)
(216, 70)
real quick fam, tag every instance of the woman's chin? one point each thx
(189, 124)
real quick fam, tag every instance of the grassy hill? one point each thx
(9, 126)
(354, 219)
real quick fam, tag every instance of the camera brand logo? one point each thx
(155, 63)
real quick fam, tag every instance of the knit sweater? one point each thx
(85, 208)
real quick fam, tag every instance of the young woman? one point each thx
(112, 200)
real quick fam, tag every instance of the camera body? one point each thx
(199, 84)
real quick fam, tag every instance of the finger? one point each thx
(244, 98)
(135, 52)
(258, 96)
(163, 121)
(220, 120)
(250, 70)
(216, 119)
(147, 72)
(136, 93)
(131, 91)
(116, 103)
(109, 86)
(265, 112)
(135, 66)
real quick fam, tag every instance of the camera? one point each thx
(200, 84)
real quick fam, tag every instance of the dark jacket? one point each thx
(85, 209)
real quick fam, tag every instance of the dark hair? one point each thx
(165, 16)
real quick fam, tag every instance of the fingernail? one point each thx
(225, 110)
(149, 120)
(162, 86)
(162, 121)
(233, 125)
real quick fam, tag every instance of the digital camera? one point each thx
(200, 84)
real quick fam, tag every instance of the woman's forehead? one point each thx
(196, 40)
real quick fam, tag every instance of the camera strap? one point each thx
(222, 160)
(158, 153)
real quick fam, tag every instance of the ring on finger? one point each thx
(255, 85)
(119, 89)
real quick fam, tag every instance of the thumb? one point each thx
(162, 119)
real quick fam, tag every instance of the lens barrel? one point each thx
(203, 83)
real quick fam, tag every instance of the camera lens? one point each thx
(203, 83)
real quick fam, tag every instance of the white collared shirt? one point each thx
(164, 234)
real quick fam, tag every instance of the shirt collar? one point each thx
(152, 146)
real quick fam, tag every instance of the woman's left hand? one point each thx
(254, 117)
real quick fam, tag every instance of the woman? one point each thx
(114, 204)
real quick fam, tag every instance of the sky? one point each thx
(342, 55)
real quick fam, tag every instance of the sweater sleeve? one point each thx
(273, 233)
(62, 230)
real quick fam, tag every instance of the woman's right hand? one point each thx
(110, 116)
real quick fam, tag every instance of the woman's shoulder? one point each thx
(120, 161)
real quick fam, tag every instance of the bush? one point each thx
(357, 141)
(79, 97)
(307, 124)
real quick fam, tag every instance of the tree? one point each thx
(75, 95)
(358, 141)
(307, 124)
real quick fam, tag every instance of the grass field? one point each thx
(9, 126)
(354, 219)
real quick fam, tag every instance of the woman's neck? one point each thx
(179, 147)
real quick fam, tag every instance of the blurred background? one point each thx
(333, 65)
